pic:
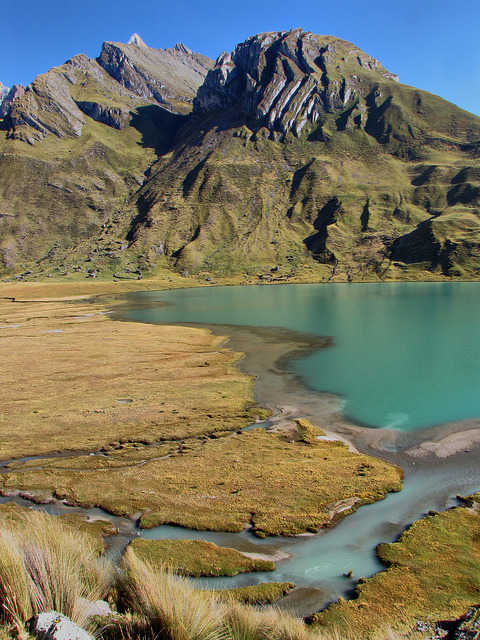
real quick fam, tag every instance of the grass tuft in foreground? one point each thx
(46, 565)
(172, 607)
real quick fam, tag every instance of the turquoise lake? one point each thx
(404, 355)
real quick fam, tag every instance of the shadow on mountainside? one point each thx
(158, 127)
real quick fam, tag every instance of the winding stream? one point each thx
(402, 358)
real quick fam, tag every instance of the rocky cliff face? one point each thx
(300, 150)
(282, 81)
(3, 92)
(8, 97)
(76, 142)
(171, 77)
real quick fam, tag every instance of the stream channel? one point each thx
(386, 366)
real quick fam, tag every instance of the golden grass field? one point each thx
(76, 381)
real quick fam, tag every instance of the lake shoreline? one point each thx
(273, 380)
(268, 352)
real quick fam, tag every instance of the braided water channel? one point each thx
(388, 367)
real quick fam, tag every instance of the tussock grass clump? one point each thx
(172, 609)
(45, 565)
(247, 623)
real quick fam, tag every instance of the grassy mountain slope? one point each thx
(78, 141)
(371, 177)
(300, 149)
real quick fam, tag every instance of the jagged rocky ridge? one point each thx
(284, 81)
(299, 149)
(53, 102)
(77, 141)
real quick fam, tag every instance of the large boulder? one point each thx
(52, 625)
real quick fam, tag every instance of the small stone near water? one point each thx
(51, 625)
(97, 608)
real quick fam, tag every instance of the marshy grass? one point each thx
(45, 565)
(173, 609)
(164, 606)
(198, 557)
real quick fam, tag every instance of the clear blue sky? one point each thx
(431, 44)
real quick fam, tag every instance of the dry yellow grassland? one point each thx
(74, 380)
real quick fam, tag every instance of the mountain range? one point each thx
(293, 150)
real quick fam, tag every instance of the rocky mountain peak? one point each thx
(283, 80)
(136, 39)
(183, 49)
(3, 91)
(170, 77)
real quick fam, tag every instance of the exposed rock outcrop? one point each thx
(102, 137)
(55, 626)
(5, 104)
(3, 92)
(46, 107)
(171, 77)
(283, 80)
(115, 117)
(303, 146)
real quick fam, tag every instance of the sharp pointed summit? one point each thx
(135, 39)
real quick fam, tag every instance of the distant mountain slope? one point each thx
(299, 149)
(304, 145)
(92, 127)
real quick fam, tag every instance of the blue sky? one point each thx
(431, 44)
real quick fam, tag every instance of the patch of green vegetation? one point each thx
(263, 593)
(276, 487)
(309, 433)
(197, 558)
(432, 574)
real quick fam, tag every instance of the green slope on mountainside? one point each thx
(76, 144)
(303, 148)
(300, 150)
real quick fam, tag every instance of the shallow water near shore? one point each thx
(401, 357)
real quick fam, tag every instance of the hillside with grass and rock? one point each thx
(294, 151)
